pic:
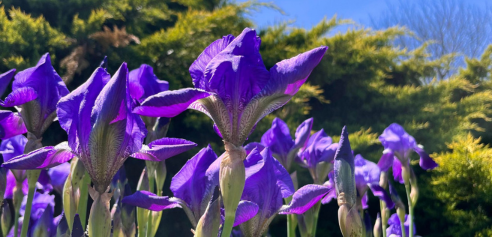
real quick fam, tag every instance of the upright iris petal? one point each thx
(241, 89)
(111, 134)
(144, 83)
(37, 90)
(399, 144)
(281, 144)
(267, 183)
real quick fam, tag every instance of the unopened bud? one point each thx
(100, 217)
(62, 229)
(69, 202)
(42, 227)
(349, 221)
(7, 217)
(377, 227)
(116, 217)
(383, 179)
(160, 175)
(209, 223)
(414, 193)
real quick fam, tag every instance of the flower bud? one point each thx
(383, 179)
(77, 171)
(128, 216)
(116, 217)
(160, 175)
(100, 217)
(209, 223)
(377, 227)
(349, 221)
(7, 218)
(231, 179)
(344, 171)
(69, 203)
(414, 193)
(62, 229)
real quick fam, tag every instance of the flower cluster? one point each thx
(110, 118)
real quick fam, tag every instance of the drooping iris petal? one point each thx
(197, 68)
(11, 124)
(44, 183)
(12, 147)
(278, 139)
(192, 185)
(150, 201)
(58, 175)
(364, 201)
(19, 97)
(426, 162)
(116, 132)
(303, 133)
(144, 83)
(169, 103)
(163, 148)
(42, 158)
(381, 193)
(245, 211)
(73, 111)
(5, 80)
(250, 146)
(304, 198)
(284, 181)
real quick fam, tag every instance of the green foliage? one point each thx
(463, 181)
(24, 39)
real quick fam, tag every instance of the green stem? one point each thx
(315, 218)
(383, 217)
(82, 209)
(410, 209)
(403, 233)
(32, 178)
(16, 222)
(150, 228)
(291, 227)
(228, 224)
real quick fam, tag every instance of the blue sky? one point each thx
(307, 13)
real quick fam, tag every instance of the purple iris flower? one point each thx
(106, 138)
(37, 91)
(11, 124)
(367, 177)
(317, 155)
(267, 183)
(399, 144)
(281, 144)
(144, 83)
(5, 80)
(394, 229)
(241, 89)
